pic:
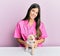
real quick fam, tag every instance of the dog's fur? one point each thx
(31, 41)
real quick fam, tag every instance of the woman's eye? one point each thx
(33, 10)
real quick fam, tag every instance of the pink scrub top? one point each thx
(23, 29)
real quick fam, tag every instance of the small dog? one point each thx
(31, 41)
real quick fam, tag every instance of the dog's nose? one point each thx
(34, 42)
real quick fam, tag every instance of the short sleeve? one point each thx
(43, 30)
(17, 32)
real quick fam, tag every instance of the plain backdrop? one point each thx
(11, 11)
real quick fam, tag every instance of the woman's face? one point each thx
(33, 13)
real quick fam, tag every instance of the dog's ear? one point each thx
(35, 36)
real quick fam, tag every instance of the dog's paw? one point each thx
(26, 49)
(32, 53)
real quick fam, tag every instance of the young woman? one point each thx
(31, 24)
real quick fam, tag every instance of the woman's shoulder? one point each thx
(41, 24)
(21, 22)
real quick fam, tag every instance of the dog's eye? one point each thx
(34, 42)
(31, 39)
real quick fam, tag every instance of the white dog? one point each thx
(31, 41)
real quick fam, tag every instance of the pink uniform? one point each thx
(23, 29)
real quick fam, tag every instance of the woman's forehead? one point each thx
(35, 9)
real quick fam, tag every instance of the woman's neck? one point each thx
(31, 22)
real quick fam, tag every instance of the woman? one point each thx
(31, 24)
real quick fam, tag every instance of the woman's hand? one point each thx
(26, 45)
(35, 44)
(39, 41)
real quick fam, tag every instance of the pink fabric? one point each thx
(24, 29)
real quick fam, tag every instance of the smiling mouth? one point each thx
(33, 16)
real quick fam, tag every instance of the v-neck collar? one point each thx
(27, 23)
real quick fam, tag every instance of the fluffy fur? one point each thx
(31, 41)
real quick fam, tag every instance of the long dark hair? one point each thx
(37, 19)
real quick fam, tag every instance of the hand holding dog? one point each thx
(35, 44)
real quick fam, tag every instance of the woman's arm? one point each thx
(22, 42)
(40, 40)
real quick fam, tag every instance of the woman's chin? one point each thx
(32, 18)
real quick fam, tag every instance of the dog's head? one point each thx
(31, 38)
